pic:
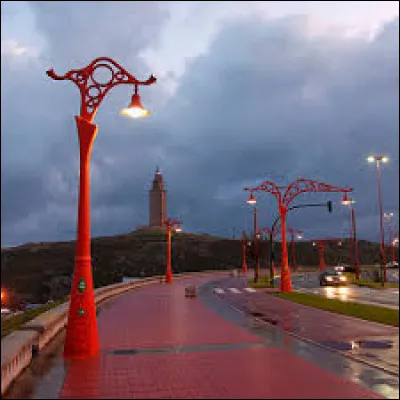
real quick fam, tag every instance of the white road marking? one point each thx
(219, 290)
(234, 290)
(250, 290)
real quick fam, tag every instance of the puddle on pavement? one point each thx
(375, 379)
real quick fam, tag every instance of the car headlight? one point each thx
(328, 278)
(342, 278)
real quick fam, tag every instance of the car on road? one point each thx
(332, 278)
(393, 264)
(344, 268)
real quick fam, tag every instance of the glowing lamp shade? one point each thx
(178, 229)
(371, 159)
(385, 159)
(135, 108)
(251, 199)
(346, 201)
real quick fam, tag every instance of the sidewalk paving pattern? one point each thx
(155, 343)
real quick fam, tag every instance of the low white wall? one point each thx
(16, 348)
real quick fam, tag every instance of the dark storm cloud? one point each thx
(265, 102)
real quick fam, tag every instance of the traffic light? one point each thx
(330, 208)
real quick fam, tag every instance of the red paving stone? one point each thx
(158, 316)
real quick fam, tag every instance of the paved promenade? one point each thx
(155, 343)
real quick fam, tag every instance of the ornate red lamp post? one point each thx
(353, 236)
(299, 233)
(172, 225)
(252, 201)
(284, 196)
(82, 335)
(378, 160)
(320, 243)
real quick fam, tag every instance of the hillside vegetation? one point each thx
(37, 272)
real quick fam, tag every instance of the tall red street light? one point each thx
(378, 160)
(299, 233)
(346, 201)
(172, 225)
(388, 219)
(82, 335)
(284, 199)
(252, 201)
(320, 243)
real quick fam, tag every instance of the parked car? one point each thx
(393, 264)
(344, 268)
(332, 278)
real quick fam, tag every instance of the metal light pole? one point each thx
(378, 160)
(388, 219)
(299, 233)
(244, 262)
(252, 201)
(320, 243)
(346, 201)
(284, 199)
(82, 335)
(172, 225)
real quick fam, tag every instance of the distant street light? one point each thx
(353, 234)
(82, 335)
(172, 225)
(292, 232)
(378, 160)
(285, 195)
(252, 201)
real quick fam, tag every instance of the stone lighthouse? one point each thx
(157, 201)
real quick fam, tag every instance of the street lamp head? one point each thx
(178, 229)
(339, 243)
(372, 159)
(299, 236)
(251, 199)
(314, 244)
(135, 108)
(346, 201)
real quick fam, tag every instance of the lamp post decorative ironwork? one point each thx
(346, 201)
(299, 233)
(172, 225)
(378, 160)
(252, 201)
(284, 196)
(82, 334)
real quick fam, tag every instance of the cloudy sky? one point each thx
(246, 92)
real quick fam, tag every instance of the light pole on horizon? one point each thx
(388, 219)
(172, 225)
(82, 334)
(346, 201)
(252, 201)
(378, 160)
(299, 233)
(284, 196)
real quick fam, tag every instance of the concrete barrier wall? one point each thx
(18, 347)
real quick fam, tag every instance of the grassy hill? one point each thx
(36, 272)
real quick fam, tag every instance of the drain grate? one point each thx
(125, 352)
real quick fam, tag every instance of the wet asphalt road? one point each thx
(309, 283)
(233, 305)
